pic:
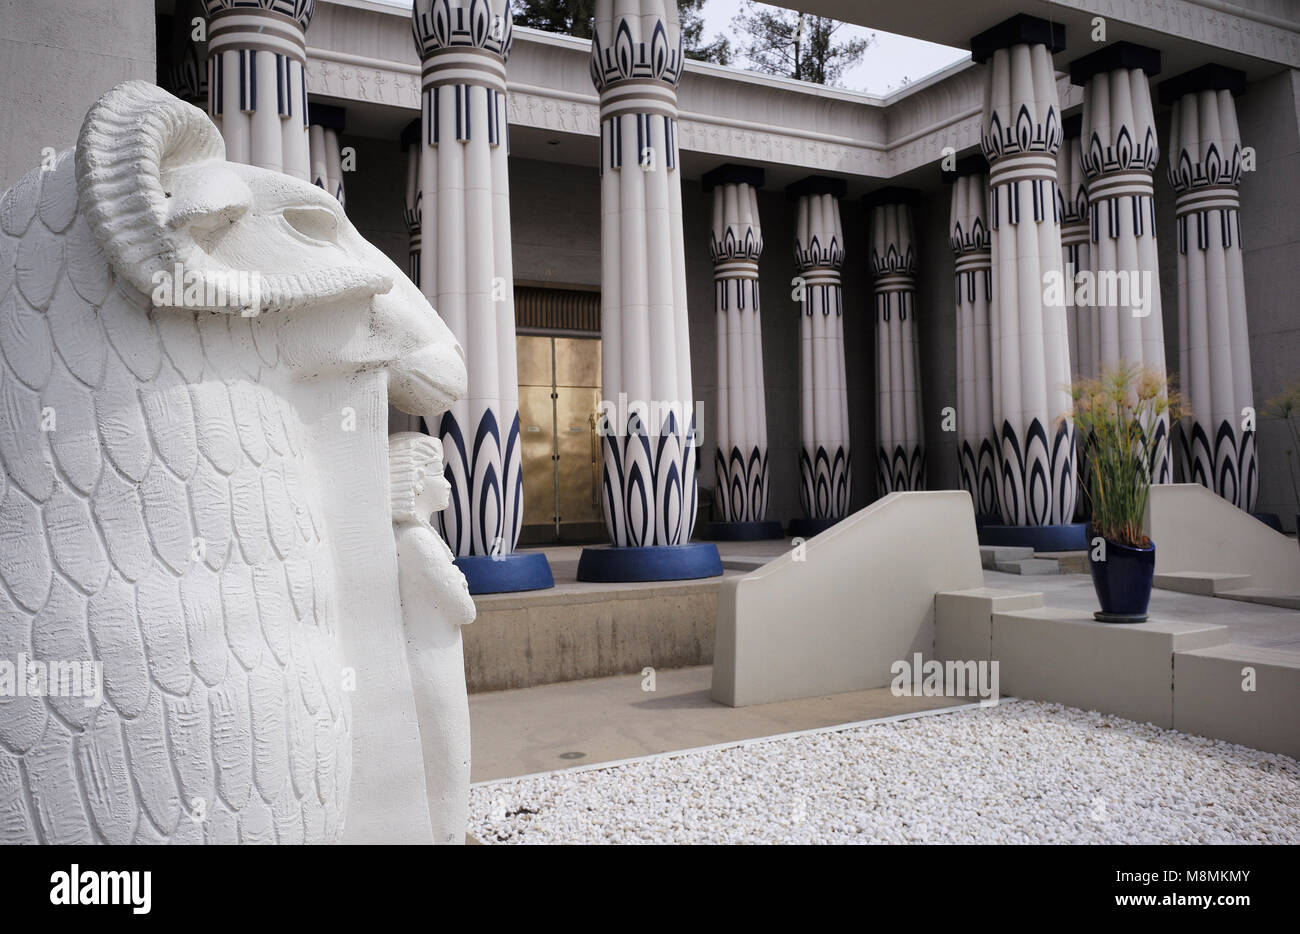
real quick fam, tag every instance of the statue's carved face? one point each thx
(163, 203)
(418, 486)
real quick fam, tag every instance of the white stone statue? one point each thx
(201, 638)
(435, 604)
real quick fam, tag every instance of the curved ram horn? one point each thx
(135, 139)
(128, 138)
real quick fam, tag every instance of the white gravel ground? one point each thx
(1021, 772)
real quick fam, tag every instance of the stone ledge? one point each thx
(1067, 657)
(1209, 700)
(522, 640)
(963, 620)
(1202, 583)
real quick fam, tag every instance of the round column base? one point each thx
(1270, 519)
(1072, 537)
(506, 573)
(611, 564)
(807, 528)
(744, 531)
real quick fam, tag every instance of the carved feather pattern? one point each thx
(152, 521)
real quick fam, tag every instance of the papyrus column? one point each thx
(257, 56)
(1119, 153)
(1076, 258)
(825, 478)
(1215, 446)
(969, 238)
(412, 204)
(324, 125)
(900, 454)
(648, 480)
(182, 58)
(736, 243)
(1032, 410)
(1076, 249)
(465, 269)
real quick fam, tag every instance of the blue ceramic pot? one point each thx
(1122, 581)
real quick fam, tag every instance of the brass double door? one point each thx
(559, 396)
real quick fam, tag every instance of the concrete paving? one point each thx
(532, 729)
(1248, 623)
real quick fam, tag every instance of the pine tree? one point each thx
(573, 17)
(796, 45)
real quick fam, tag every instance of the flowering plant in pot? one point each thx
(1286, 409)
(1117, 415)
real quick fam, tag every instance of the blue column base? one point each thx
(744, 531)
(807, 528)
(1072, 537)
(1270, 519)
(506, 573)
(610, 564)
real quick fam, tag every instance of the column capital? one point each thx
(1021, 29)
(1211, 77)
(326, 115)
(734, 173)
(817, 185)
(463, 41)
(300, 11)
(891, 195)
(442, 25)
(1112, 57)
(411, 133)
(636, 42)
(278, 27)
(974, 164)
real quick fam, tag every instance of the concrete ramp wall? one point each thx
(861, 598)
(1195, 530)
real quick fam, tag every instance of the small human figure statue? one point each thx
(435, 604)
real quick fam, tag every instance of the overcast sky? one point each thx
(884, 66)
(891, 59)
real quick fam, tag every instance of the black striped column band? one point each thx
(263, 30)
(1119, 185)
(464, 65)
(735, 269)
(1022, 166)
(638, 96)
(974, 261)
(1207, 198)
(895, 282)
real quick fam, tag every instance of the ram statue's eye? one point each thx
(318, 223)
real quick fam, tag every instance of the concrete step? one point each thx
(990, 555)
(744, 563)
(1240, 693)
(963, 620)
(1029, 566)
(1203, 583)
(1289, 600)
(1071, 562)
(584, 630)
(1184, 675)
(1067, 657)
